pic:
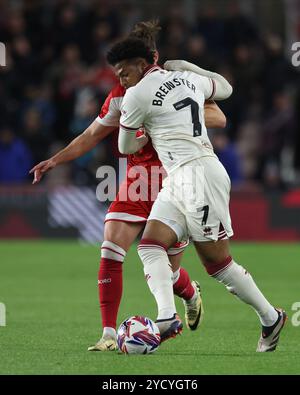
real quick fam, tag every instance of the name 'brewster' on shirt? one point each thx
(168, 86)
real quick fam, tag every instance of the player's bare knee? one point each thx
(151, 229)
(167, 236)
(175, 261)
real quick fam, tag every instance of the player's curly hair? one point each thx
(146, 31)
(128, 49)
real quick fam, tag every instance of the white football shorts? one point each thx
(194, 201)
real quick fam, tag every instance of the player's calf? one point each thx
(158, 275)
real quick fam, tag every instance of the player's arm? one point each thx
(129, 143)
(132, 118)
(78, 147)
(221, 89)
(214, 116)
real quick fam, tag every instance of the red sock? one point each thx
(183, 286)
(110, 288)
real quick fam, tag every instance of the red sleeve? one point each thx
(110, 111)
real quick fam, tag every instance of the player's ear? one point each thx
(142, 64)
(156, 56)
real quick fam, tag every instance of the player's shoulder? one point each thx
(146, 84)
(138, 91)
(158, 75)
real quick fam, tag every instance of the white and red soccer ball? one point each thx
(138, 335)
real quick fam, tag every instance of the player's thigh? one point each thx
(211, 252)
(122, 233)
(158, 231)
(175, 253)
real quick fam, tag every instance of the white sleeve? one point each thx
(128, 142)
(132, 118)
(220, 87)
(110, 112)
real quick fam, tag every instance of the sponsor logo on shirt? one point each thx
(104, 281)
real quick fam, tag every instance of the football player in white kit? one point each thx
(194, 200)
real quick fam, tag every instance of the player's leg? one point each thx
(189, 291)
(219, 264)
(182, 286)
(156, 240)
(165, 226)
(210, 228)
(118, 237)
(123, 222)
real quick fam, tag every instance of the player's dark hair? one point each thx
(146, 31)
(128, 49)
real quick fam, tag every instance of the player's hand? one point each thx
(40, 169)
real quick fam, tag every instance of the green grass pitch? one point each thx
(50, 293)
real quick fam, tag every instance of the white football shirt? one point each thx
(170, 107)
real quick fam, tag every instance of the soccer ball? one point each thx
(138, 335)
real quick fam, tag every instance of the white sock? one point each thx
(159, 277)
(109, 332)
(239, 282)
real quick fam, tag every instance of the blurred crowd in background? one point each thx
(56, 80)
